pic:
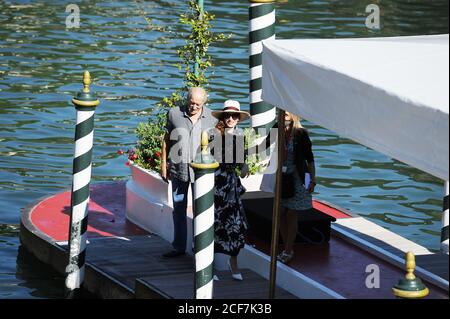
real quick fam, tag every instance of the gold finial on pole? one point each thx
(204, 142)
(204, 159)
(85, 98)
(410, 287)
(86, 81)
(410, 266)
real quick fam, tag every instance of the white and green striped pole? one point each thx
(85, 103)
(444, 230)
(204, 167)
(261, 27)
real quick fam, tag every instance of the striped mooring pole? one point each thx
(444, 230)
(261, 27)
(85, 103)
(204, 166)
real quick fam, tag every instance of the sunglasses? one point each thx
(233, 115)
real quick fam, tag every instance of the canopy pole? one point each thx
(444, 230)
(85, 103)
(276, 206)
(261, 27)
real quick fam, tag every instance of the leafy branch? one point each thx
(195, 62)
(194, 53)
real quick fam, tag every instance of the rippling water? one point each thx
(41, 63)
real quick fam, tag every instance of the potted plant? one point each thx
(145, 159)
(146, 186)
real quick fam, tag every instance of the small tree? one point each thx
(195, 62)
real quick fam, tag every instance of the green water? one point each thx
(41, 63)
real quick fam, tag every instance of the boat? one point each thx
(338, 254)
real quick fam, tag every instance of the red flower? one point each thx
(120, 152)
(127, 164)
(158, 154)
(134, 157)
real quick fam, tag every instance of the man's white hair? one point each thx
(198, 89)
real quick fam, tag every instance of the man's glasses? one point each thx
(233, 115)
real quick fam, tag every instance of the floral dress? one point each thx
(302, 199)
(230, 221)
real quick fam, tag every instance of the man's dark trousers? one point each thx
(180, 199)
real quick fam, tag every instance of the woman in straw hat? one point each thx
(230, 221)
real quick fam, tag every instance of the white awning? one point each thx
(390, 94)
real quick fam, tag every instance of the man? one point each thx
(182, 142)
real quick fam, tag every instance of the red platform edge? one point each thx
(51, 216)
(330, 210)
(106, 218)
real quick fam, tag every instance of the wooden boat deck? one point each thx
(347, 255)
(136, 262)
(397, 246)
(435, 263)
(123, 261)
(341, 267)
(182, 285)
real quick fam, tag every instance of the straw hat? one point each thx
(231, 106)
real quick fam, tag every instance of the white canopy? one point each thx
(390, 94)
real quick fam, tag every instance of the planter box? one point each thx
(152, 184)
(149, 204)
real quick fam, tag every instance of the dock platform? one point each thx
(124, 260)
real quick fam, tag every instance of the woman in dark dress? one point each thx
(230, 221)
(299, 163)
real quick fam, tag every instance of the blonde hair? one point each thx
(296, 121)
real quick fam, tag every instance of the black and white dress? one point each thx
(230, 222)
(302, 199)
(298, 151)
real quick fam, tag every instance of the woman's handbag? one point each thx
(287, 186)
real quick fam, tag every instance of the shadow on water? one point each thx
(22, 275)
(38, 278)
(42, 280)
